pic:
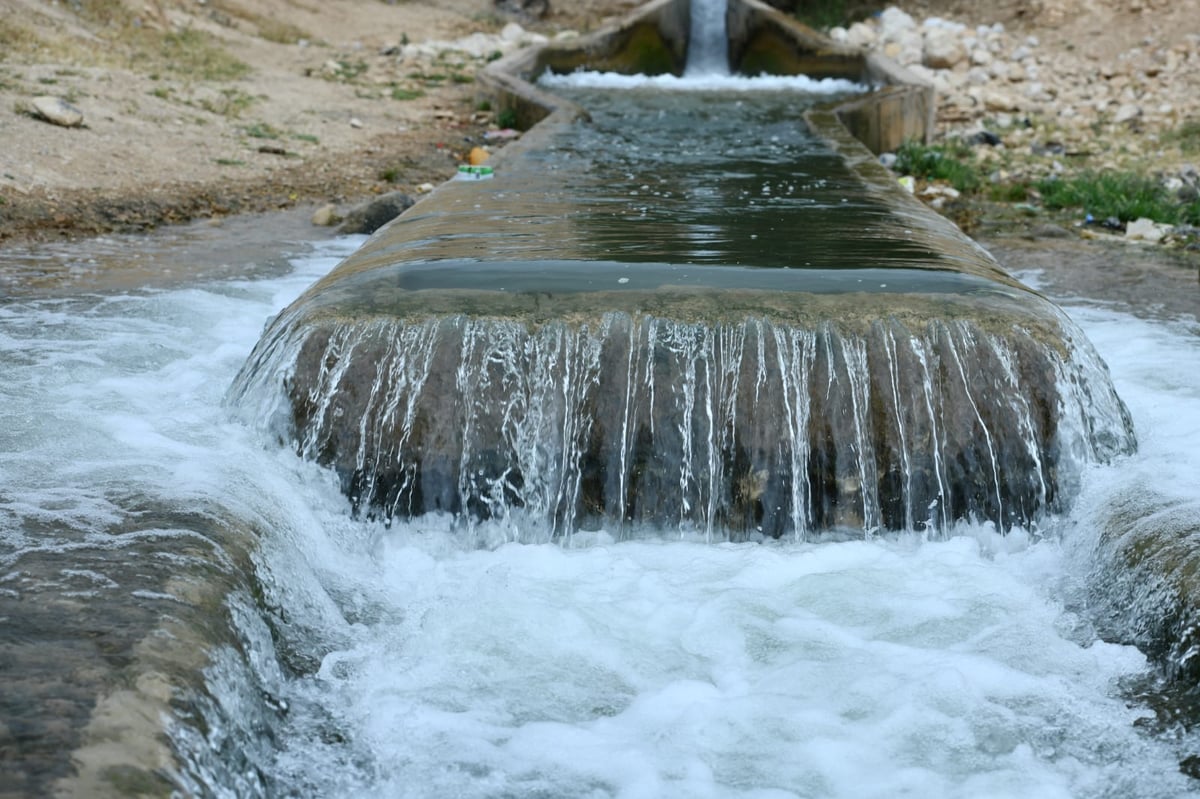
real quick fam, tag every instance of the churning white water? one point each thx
(593, 668)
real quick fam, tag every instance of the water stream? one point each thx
(163, 564)
(350, 658)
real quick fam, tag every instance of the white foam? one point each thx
(586, 79)
(601, 668)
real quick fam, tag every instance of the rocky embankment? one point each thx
(1030, 111)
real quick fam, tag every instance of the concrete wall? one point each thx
(654, 38)
(762, 39)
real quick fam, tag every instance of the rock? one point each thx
(999, 101)
(57, 111)
(355, 122)
(982, 137)
(893, 23)
(1127, 113)
(978, 76)
(980, 57)
(860, 34)
(943, 49)
(373, 215)
(326, 216)
(1146, 230)
(939, 190)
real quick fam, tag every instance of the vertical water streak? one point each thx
(708, 42)
(743, 428)
(796, 351)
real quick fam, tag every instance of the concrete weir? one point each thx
(764, 347)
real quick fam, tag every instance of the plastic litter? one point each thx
(468, 172)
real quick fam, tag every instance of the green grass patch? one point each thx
(939, 162)
(308, 137)
(346, 70)
(1187, 136)
(822, 14)
(261, 130)
(401, 93)
(1009, 192)
(230, 162)
(199, 56)
(428, 77)
(1123, 195)
(507, 118)
(228, 103)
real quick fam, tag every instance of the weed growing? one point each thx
(261, 130)
(939, 162)
(401, 93)
(1123, 195)
(1187, 136)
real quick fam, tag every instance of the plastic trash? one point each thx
(468, 172)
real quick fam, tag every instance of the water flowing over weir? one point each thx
(660, 319)
(708, 41)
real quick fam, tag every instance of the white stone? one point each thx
(1146, 230)
(943, 49)
(978, 76)
(839, 34)
(999, 101)
(57, 111)
(980, 57)
(1021, 53)
(861, 34)
(1127, 113)
(512, 32)
(894, 23)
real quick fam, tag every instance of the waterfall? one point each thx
(736, 429)
(708, 44)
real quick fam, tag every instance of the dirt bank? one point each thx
(200, 108)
